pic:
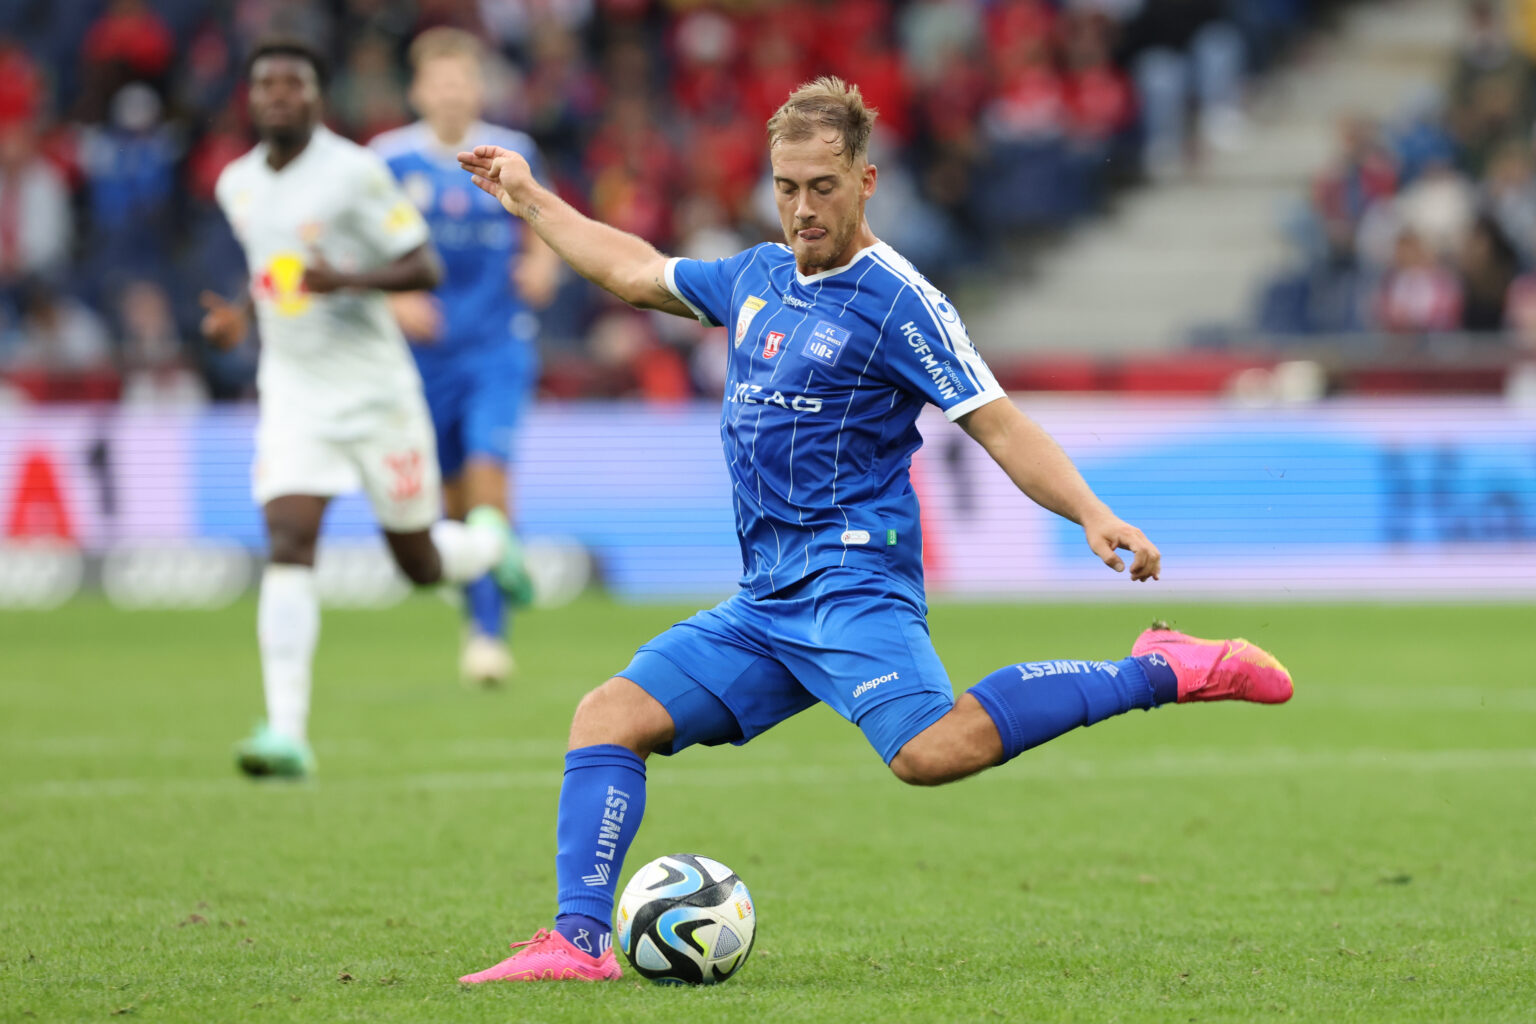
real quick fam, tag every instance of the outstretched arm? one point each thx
(1038, 467)
(615, 260)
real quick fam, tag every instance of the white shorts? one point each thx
(391, 455)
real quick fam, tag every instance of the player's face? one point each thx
(285, 98)
(449, 90)
(821, 198)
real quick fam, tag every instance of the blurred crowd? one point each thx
(1427, 224)
(997, 117)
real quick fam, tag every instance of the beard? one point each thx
(821, 254)
(285, 134)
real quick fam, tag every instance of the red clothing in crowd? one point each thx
(131, 34)
(1101, 102)
(21, 87)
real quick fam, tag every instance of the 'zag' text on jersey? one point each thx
(752, 394)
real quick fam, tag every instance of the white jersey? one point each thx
(325, 358)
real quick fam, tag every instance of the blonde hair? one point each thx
(445, 42)
(827, 104)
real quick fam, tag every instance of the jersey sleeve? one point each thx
(705, 286)
(386, 220)
(929, 353)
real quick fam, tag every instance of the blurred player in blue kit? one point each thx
(473, 337)
(837, 344)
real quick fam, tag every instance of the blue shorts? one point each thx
(475, 409)
(848, 638)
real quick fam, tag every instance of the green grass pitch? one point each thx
(1366, 853)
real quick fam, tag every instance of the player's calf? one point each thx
(450, 551)
(417, 557)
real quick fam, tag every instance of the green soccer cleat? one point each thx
(511, 574)
(265, 754)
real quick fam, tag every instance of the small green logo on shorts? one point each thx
(890, 537)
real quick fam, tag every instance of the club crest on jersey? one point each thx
(749, 309)
(771, 346)
(826, 343)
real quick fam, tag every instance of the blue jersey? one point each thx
(826, 378)
(482, 312)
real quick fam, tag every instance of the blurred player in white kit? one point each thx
(326, 233)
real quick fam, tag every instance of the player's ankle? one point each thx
(588, 934)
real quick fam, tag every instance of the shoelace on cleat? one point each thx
(540, 936)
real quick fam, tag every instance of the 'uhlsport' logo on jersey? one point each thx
(771, 346)
(753, 394)
(749, 309)
(826, 343)
(870, 684)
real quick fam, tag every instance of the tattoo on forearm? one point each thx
(532, 213)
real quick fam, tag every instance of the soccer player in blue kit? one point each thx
(837, 343)
(473, 337)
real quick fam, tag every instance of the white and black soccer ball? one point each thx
(686, 920)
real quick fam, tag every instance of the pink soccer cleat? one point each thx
(549, 956)
(1217, 669)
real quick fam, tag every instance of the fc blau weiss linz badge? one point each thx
(826, 343)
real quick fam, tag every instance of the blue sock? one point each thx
(487, 607)
(1039, 700)
(587, 934)
(601, 803)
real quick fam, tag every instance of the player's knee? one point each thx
(621, 713)
(918, 765)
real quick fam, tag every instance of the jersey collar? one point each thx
(431, 145)
(824, 274)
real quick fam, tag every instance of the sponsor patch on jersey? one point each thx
(456, 202)
(400, 217)
(826, 343)
(281, 283)
(749, 309)
(855, 536)
(771, 346)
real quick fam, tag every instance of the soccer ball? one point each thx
(686, 920)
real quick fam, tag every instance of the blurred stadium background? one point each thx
(1266, 267)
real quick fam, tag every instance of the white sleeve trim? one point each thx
(987, 397)
(677, 292)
